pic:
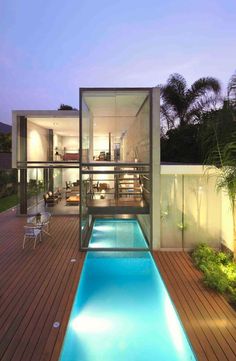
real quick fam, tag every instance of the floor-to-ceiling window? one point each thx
(115, 135)
(48, 162)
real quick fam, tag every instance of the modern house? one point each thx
(104, 161)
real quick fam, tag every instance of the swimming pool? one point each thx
(117, 233)
(122, 311)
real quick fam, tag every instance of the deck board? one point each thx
(37, 288)
(209, 320)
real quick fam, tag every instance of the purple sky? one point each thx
(48, 49)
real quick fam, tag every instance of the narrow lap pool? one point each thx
(117, 233)
(122, 311)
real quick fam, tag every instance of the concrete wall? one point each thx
(227, 235)
(191, 208)
(14, 144)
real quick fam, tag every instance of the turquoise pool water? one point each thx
(117, 233)
(122, 312)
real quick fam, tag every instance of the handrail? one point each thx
(115, 164)
(88, 171)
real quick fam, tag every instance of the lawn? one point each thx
(8, 202)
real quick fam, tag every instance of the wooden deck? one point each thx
(208, 319)
(37, 288)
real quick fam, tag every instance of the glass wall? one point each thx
(53, 189)
(190, 211)
(115, 146)
(48, 162)
(48, 138)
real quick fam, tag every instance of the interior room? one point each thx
(53, 164)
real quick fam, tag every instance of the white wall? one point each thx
(69, 175)
(37, 142)
(227, 233)
(57, 141)
(205, 212)
(137, 139)
(70, 143)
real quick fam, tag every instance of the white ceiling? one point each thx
(113, 111)
(114, 103)
(61, 126)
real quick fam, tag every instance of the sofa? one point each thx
(50, 199)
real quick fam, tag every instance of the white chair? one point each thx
(45, 219)
(32, 232)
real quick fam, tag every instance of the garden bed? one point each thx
(219, 270)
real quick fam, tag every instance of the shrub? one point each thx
(232, 295)
(224, 258)
(218, 268)
(215, 278)
(203, 254)
(230, 271)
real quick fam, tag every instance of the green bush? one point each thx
(203, 254)
(232, 295)
(215, 278)
(230, 271)
(218, 269)
(224, 258)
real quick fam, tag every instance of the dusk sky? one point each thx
(48, 49)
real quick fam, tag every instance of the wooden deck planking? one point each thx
(209, 320)
(45, 307)
(37, 288)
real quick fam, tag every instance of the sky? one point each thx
(48, 49)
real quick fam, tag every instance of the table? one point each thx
(73, 200)
(40, 223)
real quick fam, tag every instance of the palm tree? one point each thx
(226, 177)
(220, 139)
(185, 105)
(231, 90)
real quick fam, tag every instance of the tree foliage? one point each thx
(183, 105)
(181, 145)
(232, 91)
(5, 142)
(66, 107)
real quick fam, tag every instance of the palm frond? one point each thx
(167, 116)
(203, 85)
(178, 83)
(232, 87)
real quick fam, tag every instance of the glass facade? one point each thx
(48, 163)
(115, 168)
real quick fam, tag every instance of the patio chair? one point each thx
(46, 216)
(32, 232)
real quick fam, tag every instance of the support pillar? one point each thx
(50, 159)
(23, 158)
(156, 169)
